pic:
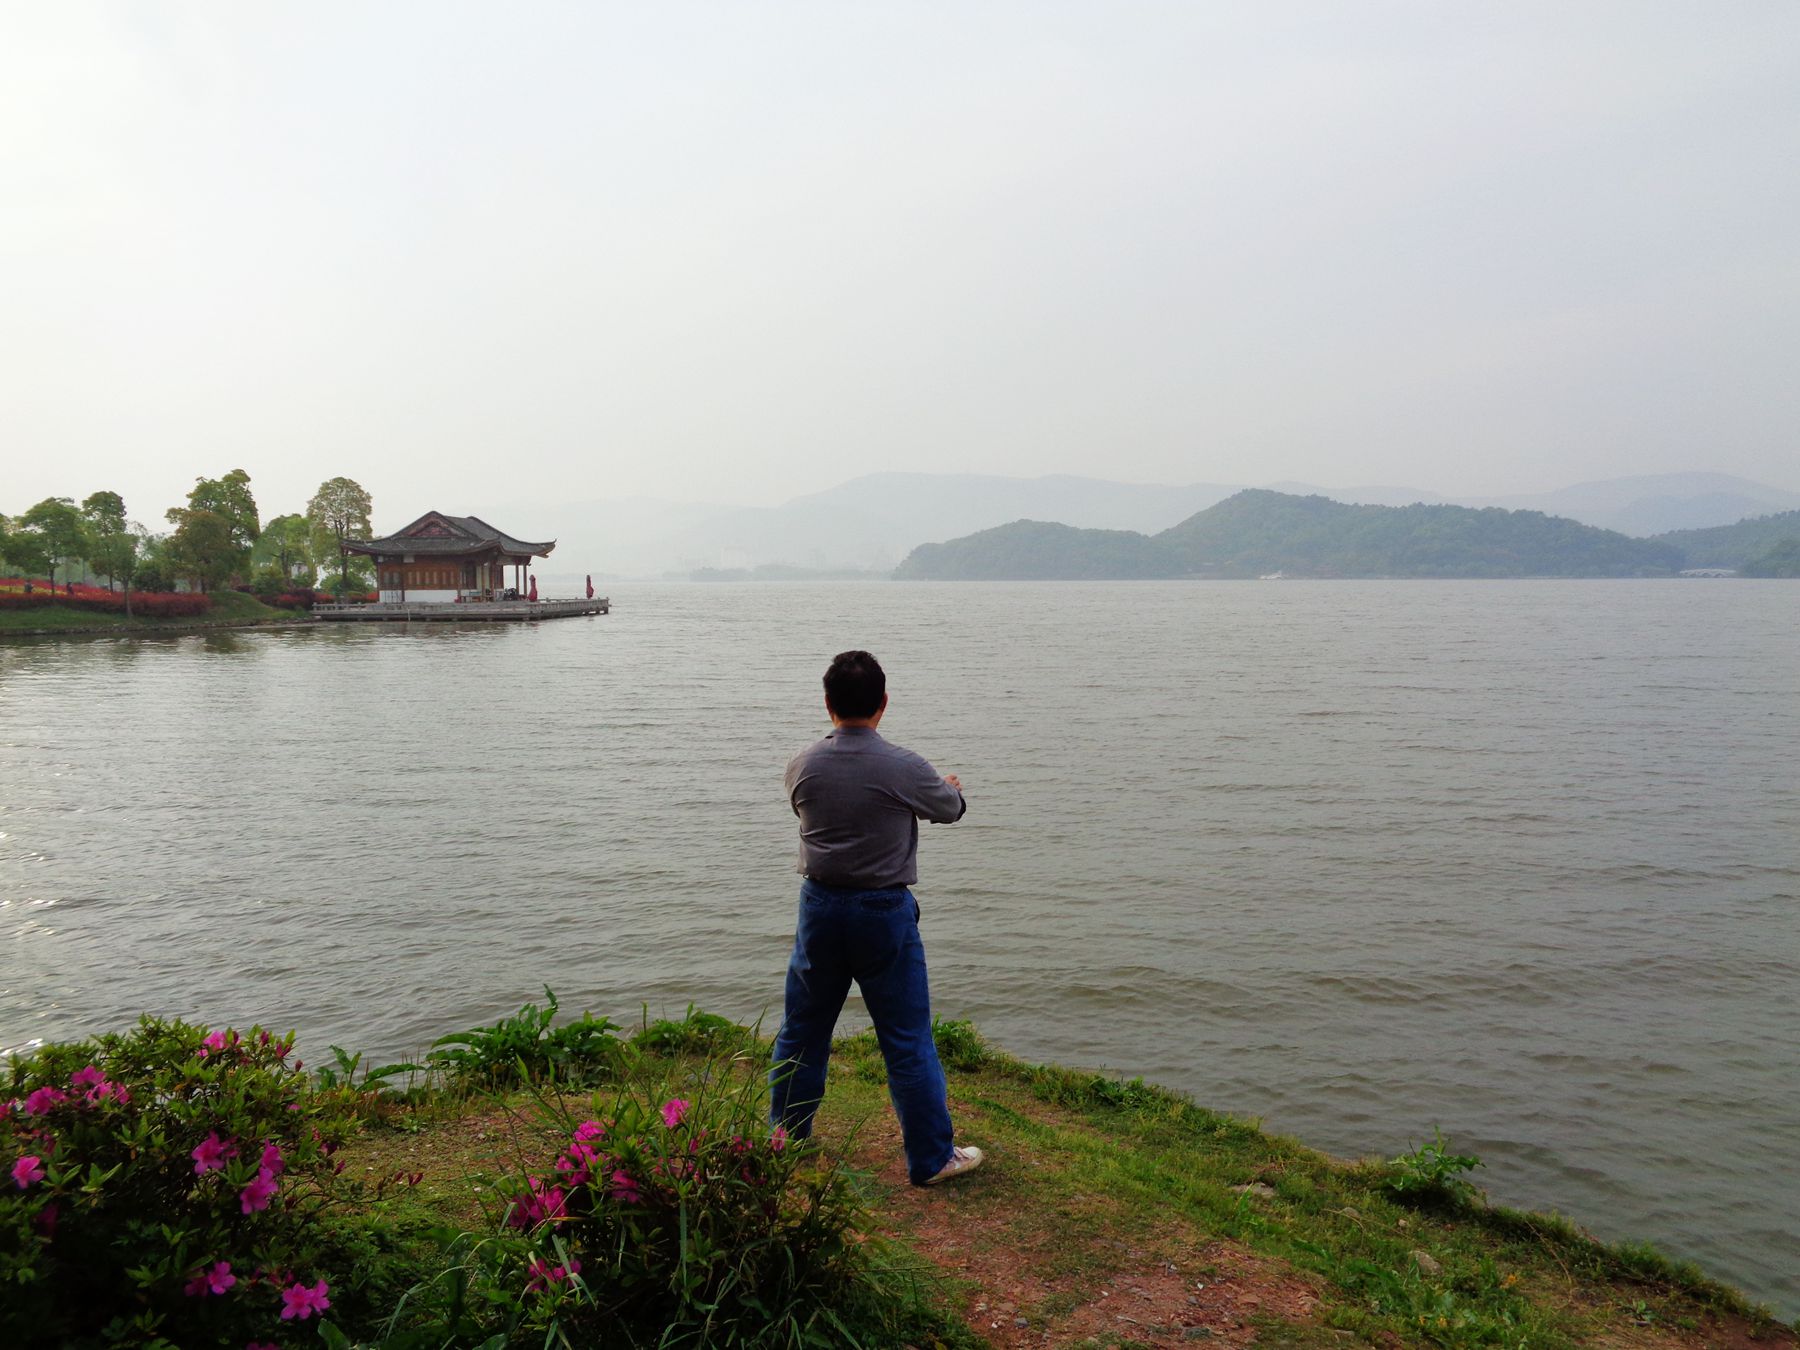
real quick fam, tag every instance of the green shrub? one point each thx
(959, 1045)
(694, 1033)
(1431, 1174)
(165, 1190)
(525, 1048)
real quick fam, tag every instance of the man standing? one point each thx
(860, 799)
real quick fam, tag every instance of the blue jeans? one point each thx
(871, 937)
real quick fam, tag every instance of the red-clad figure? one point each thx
(533, 594)
(590, 585)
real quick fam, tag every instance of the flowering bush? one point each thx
(99, 600)
(164, 1189)
(684, 1218)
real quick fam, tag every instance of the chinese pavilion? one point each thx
(449, 559)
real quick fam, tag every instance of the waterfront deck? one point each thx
(479, 611)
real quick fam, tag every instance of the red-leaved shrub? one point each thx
(98, 600)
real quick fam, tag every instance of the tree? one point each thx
(203, 547)
(286, 544)
(155, 572)
(61, 532)
(355, 578)
(339, 510)
(21, 549)
(230, 498)
(109, 538)
(204, 553)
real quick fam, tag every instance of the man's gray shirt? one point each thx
(860, 800)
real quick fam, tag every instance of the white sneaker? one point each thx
(962, 1161)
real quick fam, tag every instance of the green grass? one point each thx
(1086, 1166)
(1095, 1185)
(227, 607)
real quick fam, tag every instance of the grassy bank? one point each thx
(1110, 1214)
(229, 609)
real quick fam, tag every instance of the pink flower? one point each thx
(300, 1302)
(214, 1281)
(104, 1091)
(673, 1110)
(540, 1204)
(589, 1129)
(218, 1042)
(212, 1152)
(543, 1274)
(778, 1138)
(43, 1099)
(45, 1222)
(86, 1078)
(256, 1195)
(577, 1162)
(624, 1189)
(28, 1169)
(272, 1161)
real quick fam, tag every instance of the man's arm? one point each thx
(937, 799)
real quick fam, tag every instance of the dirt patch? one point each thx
(1713, 1332)
(1024, 1277)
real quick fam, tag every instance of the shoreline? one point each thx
(1108, 1208)
(148, 630)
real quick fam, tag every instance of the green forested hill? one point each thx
(1258, 532)
(1781, 561)
(1734, 545)
(1037, 550)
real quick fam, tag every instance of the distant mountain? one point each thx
(1647, 504)
(869, 522)
(1036, 550)
(873, 521)
(1371, 495)
(1734, 545)
(942, 505)
(1258, 532)
(1655, 503)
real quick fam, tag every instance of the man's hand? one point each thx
(953, 781)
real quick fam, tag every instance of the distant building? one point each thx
(446, 559)
(1708, 572)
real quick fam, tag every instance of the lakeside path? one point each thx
(1116, 1215)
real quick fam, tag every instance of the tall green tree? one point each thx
(229, 497)
(339, 510)
(203, 548)
(61, 532)
(286, 543)
(109, 536)
(231, 501)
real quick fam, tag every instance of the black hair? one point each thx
(855, 684)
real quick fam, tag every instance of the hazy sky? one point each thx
(733, 252)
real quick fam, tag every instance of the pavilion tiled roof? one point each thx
(437, 535)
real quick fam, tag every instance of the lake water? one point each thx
(1520, 860)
